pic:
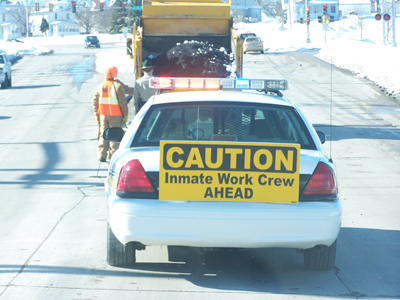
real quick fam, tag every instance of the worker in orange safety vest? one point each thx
(111, 110)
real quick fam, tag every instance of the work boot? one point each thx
(102, 159)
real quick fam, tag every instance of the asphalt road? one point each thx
(53, 210)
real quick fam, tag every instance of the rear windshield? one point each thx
(251, 39)
(208, 121)
(245, 35)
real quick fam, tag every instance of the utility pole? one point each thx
(308, 25)
(394, 44)
(290, 13)
(383, 10)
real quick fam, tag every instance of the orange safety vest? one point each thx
(108, 102)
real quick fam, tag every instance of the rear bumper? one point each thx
(253, 49)
(224, 224)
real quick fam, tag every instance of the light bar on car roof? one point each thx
(177, 83)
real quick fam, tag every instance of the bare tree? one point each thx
(103, 20)
(21, 11)
(358, 19)
(87, 19)
(272, 8)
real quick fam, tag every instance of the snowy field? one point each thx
(343, 43)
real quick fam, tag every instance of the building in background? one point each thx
(296, 10)
(246, 11)
(58, 14)
(61, 19)
(358, 7)
(10, 28)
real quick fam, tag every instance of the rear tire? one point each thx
(244, 52)
(119, 255)
(5, 83)
(320, 258)
(10, 82)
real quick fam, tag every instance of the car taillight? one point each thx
(322, 182)
(133, 178)
(245, 44)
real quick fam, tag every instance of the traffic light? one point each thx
(50, 7)
(378, 17)
(386, 17)
(123, 6)
(101, 6)
(325, 8)
(308, 15)
(74, 6)
(37, 6)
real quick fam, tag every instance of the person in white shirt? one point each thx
(142, 91)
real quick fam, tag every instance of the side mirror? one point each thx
(321, 136)
(113, 134)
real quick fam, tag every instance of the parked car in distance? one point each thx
(243, 36)
(253, 44)
(91, 41)
(5, 71)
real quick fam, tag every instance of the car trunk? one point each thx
(150, 161)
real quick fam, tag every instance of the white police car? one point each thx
(221, 169)
(5, 71)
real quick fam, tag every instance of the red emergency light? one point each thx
(386, 17)
(378, 17)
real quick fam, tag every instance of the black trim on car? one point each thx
(137, 195)
(304, 178)
(304, 198)
(154, 179)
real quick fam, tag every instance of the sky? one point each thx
(346, 44)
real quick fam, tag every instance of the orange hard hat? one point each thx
(110, 72)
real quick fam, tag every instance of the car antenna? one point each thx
(331, 116)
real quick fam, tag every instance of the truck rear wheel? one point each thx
(320, 257)
(119, 255)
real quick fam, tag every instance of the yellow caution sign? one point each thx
(218, 171)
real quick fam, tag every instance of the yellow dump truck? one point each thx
(163, 24)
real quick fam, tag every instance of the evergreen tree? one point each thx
(44, 26)
(124, 17)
